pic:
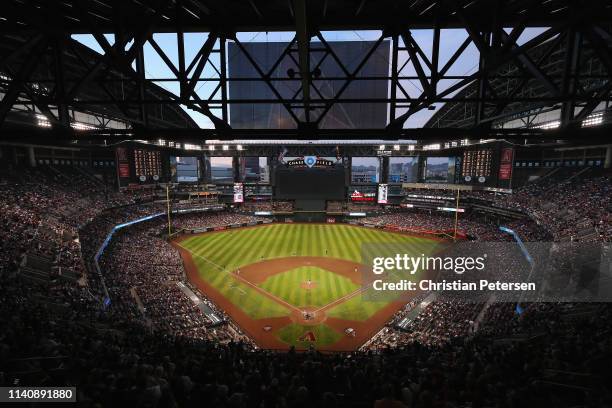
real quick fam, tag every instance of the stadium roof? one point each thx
(565, 63)
(551, 57)
(77, 61)
(269, 15)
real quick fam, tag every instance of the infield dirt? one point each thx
(265, 331)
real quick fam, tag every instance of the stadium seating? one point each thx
(153, 347)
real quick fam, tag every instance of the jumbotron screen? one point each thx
(310, 183)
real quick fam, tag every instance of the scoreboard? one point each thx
(477, 163)
(136, 165)
(147, 163)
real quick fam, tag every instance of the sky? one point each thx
(450, 40)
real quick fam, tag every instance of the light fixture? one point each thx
(396, 147)
(593, 119)
(211, 148)
(549, 125)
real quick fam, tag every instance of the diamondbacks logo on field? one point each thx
(308, 336)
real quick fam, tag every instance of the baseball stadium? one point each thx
(291, 203)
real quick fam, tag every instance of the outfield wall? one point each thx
(106, 301)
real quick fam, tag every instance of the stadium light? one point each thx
(411, 147)
(549, 125)
(42, 121)
(381, 147)
(239, 147)
(211, 148)
(593, 120)
(225, 147)
(81, 126)
(188, 146)
(396, 147)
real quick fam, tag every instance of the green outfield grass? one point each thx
(358, 308)
(217, 255)
(327, 286)
(234, 248)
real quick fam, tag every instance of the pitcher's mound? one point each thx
(308, 285)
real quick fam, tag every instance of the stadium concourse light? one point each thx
(211, 147)
(381, 147)
(188, 146)
(435, 146)
(225, 147)
(239, 147)
(396, 147)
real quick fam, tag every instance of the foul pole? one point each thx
(168, 201)
(456, 216)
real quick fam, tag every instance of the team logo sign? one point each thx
(310, 160)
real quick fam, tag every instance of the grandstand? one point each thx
(300, 203)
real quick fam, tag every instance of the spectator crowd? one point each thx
(151, 346)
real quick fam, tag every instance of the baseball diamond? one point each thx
(301, 282)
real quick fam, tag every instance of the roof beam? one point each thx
(303, 40)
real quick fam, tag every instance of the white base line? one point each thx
(243, 280)
(257, 288)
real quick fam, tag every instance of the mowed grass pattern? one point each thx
(234, 248)
(327, 286)
(253, 303)
(218, 254)
(358, 308)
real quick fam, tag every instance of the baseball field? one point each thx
(294, 284)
